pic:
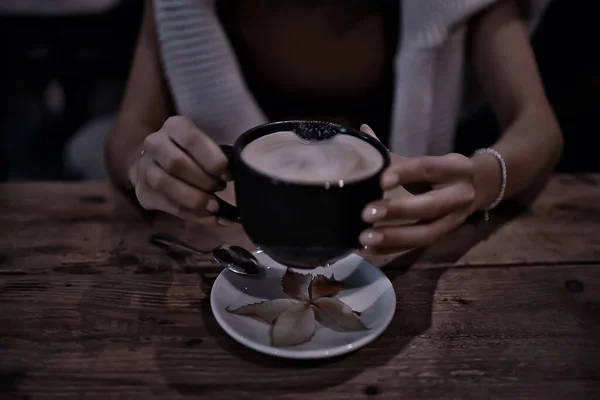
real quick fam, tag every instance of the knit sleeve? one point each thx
(202, 70)
(533, 11)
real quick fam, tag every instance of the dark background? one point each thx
(90, 56)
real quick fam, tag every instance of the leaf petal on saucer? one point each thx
(321, 286)
(295, 326)
(343, 315)
(266, 310)
(296, 285)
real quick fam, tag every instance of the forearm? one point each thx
(146, 104)
(531, 147)
(531, 143)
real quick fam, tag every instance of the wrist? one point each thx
(487, 181)
(131, 165)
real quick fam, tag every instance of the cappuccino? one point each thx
(284, 156)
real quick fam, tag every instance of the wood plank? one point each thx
(562, 226)
(60, 225)
(464, 332)
(52, 224)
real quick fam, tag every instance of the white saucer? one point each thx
(366, 289)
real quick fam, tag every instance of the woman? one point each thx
(222, 67)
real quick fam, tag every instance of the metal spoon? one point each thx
(235, 258)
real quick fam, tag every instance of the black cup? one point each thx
(300, 225)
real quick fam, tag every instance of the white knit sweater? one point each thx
(207, 84)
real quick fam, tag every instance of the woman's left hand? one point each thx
(439, 211)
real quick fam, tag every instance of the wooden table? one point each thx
(510, 309)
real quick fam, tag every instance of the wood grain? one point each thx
(52, 224)
(516, 332)
(509, 309)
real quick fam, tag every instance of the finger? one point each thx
(177, 163)
(428, 206)
(367, 129)
(412, 236)
(440, 169)
(151, 200)
(178, 192)
(148, 198)
(203, 150)
(132, 172)
(380, 251)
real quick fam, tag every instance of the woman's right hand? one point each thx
(177, 169)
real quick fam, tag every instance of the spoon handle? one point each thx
(164, 239)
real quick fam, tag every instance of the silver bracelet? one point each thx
(500, 159)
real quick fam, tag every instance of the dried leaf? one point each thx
(266, 310)
(293, 319)
(322, 286)
(296, 285)
(341, 313)
(295, 326)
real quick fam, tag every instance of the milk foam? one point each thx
(284, 156)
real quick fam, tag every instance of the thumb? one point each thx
(367, 129)
(389, 178)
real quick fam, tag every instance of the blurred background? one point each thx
(65, 64)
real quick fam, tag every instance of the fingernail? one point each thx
(374, 213)
(367, 129)
(212, 206)
(389, 180)
(370, 238)
(224, 222)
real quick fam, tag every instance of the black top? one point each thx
(375, 108)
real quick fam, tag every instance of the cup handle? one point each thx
(226, 210)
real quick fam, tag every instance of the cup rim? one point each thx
(239, 145)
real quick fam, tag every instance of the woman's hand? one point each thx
(439, 210)
(178, 168)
